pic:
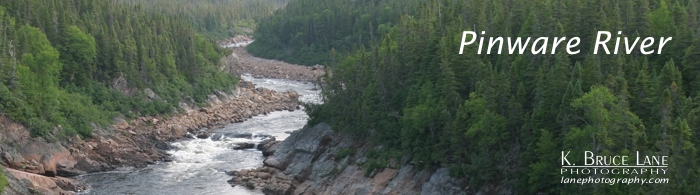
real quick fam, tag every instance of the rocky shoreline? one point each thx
(236, 41)
(275, 69)
(136, 143)
(318, 160)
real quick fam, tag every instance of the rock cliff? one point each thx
(318, 160)
(15, 186)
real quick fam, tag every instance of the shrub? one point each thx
(3, 180)
(344, 153)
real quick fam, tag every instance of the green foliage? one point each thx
(305, 31)
(216, 19)
(345, 152)
(503, 119)
(63, 63)
(3, 180)
(372, 165)
(78, 56)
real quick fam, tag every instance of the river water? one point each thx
(199, 165)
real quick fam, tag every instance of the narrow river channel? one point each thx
(199, 165)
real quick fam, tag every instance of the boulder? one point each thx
(242, 146)
(272, 162)
(49, 164)
(243, 172)
(277, 189)
(270, 148)
(263, 175)
(120, 123)
(178, 131)
(250, 185)
(202, 135)
(151, 95)
(232, 173)
(216, 136)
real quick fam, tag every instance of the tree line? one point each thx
(304, 31)
(502, 120)
(217, 19)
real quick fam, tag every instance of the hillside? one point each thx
(502, 121)
(218, 19)
(306, 31)
(66, 64)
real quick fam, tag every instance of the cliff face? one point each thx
(311, 161)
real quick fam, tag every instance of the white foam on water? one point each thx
(198, 165)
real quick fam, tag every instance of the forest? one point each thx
(62, 61)
(216, 19)
(502, 121)
(306, 30)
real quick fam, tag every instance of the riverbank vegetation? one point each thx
(66, 65)
(3, 180)
(503, 120)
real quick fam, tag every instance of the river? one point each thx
(199, 165)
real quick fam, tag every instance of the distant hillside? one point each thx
(217, 19)
(305, 31)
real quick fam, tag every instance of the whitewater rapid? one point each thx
(199, 165)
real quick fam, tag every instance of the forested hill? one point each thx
(217, 19)
(305, 31)
(502, 121)
(59, 60)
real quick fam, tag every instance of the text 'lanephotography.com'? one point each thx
(611, 170)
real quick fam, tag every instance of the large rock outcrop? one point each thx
(33, 183)
(311, 161)
(16, 186)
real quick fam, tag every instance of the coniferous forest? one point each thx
(60, 61)
(218, 19)
(395, 78)
(503, 121)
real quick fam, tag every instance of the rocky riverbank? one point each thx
(136, 143)
(318, 160)
(265, 68)
(236, 41)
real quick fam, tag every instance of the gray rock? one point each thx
(120, 123)
(15, 186)
(307, 157)
(239, 135)
(10, 156)
(151, 95)
(277, 189)
(242, 146)
(216, 136)
(270, 148)
(263, 175)
(49, 164)
(232, 173)
(441, 183)
(273, 162)
(202, 135)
